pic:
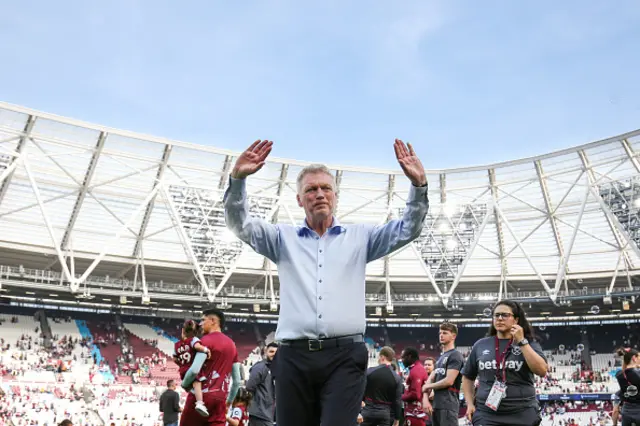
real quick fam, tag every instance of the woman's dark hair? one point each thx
(243, 396)
(627, 355)
(519, 314)
(190, 328)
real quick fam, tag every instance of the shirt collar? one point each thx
(335, 228)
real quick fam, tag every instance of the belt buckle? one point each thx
(315, 345)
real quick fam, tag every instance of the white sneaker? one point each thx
(201, 409)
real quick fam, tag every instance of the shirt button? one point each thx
(320, 250)
(319, 281)
(320, 316)
(320, 297)
(320, 265)
(317, 238)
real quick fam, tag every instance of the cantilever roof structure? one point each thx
(87, 200)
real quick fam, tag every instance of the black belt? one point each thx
(318, 345)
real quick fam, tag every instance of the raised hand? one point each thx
(252, 159)
(410, 163)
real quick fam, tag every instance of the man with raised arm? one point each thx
(220, 374)
(320, 365)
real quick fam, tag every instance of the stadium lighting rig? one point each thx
(447, 240)
(622, 198)
(212, 249)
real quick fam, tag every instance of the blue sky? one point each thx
(468, 82)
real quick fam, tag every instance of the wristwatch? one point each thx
(523, 342)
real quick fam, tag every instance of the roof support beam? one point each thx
(526, 254)
(391, 187)
(36, 192)
(281, 183)
(456, 280)
(147, 213)
(338, 179)
(226, 168)
(115, 239)
(233, 267)
(93, 163)
(550, 210)
(610, 220)
(631, 154)
(186, 244)
(504, 270)
(562, 270)
(4, 184)
(551, 215)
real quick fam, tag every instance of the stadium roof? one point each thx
(86, 200)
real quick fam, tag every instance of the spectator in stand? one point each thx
(320, 366)
(262, 410)
(170, 405)
(505, 364)
(629, 380)
(414, 415)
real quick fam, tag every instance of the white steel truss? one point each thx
(80, 194)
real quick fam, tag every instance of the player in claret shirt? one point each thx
(414, 415)
(220, 374)
(184, 353)
(504, 364)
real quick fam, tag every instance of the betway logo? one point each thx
(493, 365)
(440, 371)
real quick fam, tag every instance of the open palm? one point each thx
(252, 160)
(410, 163)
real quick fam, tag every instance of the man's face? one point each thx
(446, 337)
(428, 365)
(407, 360)
(207, 323)
(317, 196)
(271, 352)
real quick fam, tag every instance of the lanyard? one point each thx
(501, 360)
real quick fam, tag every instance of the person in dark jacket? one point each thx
(170, 405)
(629, 380)
(262, 410)
(383, 393)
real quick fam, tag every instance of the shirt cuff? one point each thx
(237, 186)
(417, 192)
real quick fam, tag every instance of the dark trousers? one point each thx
(376, 417)
(630, 421)
(254, 421)
(526, 417)
(319, 387)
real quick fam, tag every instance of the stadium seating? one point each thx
(152, 337)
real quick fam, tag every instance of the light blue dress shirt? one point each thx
(322, 279)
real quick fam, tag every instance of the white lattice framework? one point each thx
(86, 194)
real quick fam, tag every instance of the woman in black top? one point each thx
(504, 364)
(629, 380)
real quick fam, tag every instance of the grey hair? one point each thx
(313, 169)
